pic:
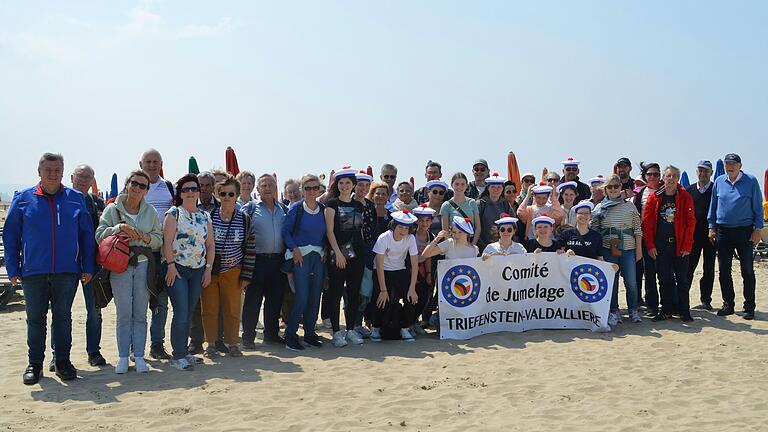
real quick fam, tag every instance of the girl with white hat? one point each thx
(504, 229)
(393, 281)
(581, 240)
(537, 204)
(544, 242)
(457, 246)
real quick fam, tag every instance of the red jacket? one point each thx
(685, 220)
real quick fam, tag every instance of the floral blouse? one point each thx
(191, 233)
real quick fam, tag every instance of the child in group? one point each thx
(504, 230)
(544, 242)
(458, 246)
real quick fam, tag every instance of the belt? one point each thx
(269, 255)
(670, 240)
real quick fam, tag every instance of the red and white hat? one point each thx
(437, 183)
(505, 220)
(543, 219)
(571, 162)
(541, 189)
(597, 180)
(583, 204)
(424, 210)
(495, 179)
(404, 217)
(345, 171)
(563, 186)
(463, 224)
(363, 176)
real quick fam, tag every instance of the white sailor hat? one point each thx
(541, 189)
(583, 204)
(543, 219)
(505, 220)
(424, 210)
(464, 224)
(495, 179)
(404, 217)
(437, 183)
(345, 171)
(528, 175)
(363, 176)
(571, 162)
(598, 179)
(563, 186)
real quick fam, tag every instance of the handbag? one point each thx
(102, 288)
(114, 251)
(347, 250)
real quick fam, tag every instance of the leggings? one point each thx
(339, 279)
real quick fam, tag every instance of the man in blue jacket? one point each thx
(735, 220)
(49, 248)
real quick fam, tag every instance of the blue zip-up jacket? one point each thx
(736, 204)
(48, 234)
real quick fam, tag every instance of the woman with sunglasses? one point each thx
(462, 206)
(650, 173)
(581, 240)
(503, 232)
(618, 222)
(526, 182)
(234, 240)
(491, 206)
(437, 190)
(188, 251)
(131, 216)
(343, 225)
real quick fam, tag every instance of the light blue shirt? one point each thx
(736, 204)
(267, 226)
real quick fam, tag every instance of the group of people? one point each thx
(202, 241)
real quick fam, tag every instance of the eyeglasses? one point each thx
(438, 192)
(505, 229)
(139, 185)
(528, 180)
(226, 194)
(311, 188)
(550, 180)
(389, 177)
(190, 189)
(612, 186)
(652, 174)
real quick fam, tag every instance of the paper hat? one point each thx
(583, 204)
(571, 162)
(543, 219)
(596, 180)
(541, 189)
(345, 171)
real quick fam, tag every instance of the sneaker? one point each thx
(234, 351)
(748, 315)
(221, 347)
(313, 340)
(363, 332)
(122, 365)
(686, 317)
(354, 337)
(52, 365)
(157, 352)
(613, 318)
(704, 306)
(248, 345)
(141, 365)
(259, 326)
(96, 359)
(211, 352)
(181, 364)
(192, 360)
(195, 348)
(339, 339)
(725, 310)
(327, 323)
(417, 329)
(375, 334)
(659, 317)
(634, 315)
(292, 343)
(406, 335)
(651, 312)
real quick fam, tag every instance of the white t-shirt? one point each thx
(395, 251)
(160, 197)
(453, 251)
(496, 249)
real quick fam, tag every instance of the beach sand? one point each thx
(711, 374)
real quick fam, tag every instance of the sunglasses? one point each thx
(311, 188)
(505, 229)
(571, 169)
(612, 186)
(550, 180)
(190, 189)
(528, 180)
(389, 177)
(509, 191)
(139, 185)
(652, 174)
(226, 194)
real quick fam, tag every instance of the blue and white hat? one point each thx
(541, 189)
(424, 210)
(464, 224)
(345, 171)
(495, 179)
(437, 183)
(570, 162)
(543, 219)
(563, 186)
(505, 220)
(597, 180)
(363, 176)
(404, 217)
(583, 204)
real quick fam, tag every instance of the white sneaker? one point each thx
(613, 318)
(375, 334)
(634, 315)
(354, 337)
(406, 335)
(181, 364)
(122, 365)
(327, 323)
(141, 365)
(259, 325)
(339, 339)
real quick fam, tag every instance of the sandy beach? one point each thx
(708, 375)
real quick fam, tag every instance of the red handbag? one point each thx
(114, 251)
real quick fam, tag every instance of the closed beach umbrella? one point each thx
(720, 169)
(113, 188)
(193, 168)
(95, 187)
(231, 162)
(765, 185)
(684, 180)
(369, 171)
(513, 170)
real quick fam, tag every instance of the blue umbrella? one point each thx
(113, 188)
(684, 180)
(720, 169)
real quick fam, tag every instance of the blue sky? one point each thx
(300, 87)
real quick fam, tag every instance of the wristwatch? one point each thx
(208, 265)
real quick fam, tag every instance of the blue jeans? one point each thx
(184, 295)
(92, 322)
(131, 294)
(308, 280)
(57, 290)
(627, 268)
(159, 312)
(728, 240)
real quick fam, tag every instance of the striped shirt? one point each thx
(621, 219)
(229, 239)
(160, 197)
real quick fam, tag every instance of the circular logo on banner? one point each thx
(589, 283)
(460, 286)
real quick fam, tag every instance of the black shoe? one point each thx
(704, 306)
(52, 365)
(66, 371)
(96, 359)
(293, 344)
(652, 312)
(686, 317)
(659, 317)
(313, 340)
(32, 374)
(748, 315)
(248, 345)
(276, 339)
(221, 347)
(725, 311)
(195, 348)
(157, 352)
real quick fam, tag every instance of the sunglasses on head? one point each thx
(438, 191)
(189, 189)
(311, 188)
(506, 229)
(139, 185)
(226, 194)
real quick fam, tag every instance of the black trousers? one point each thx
(646, 268)
(705, 247)
(268, 284)
(728, 240)
(397, 288)
(673, 274)
(340, 282)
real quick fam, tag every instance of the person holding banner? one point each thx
(581, 240)
(392, 282)
(504, 230)
(544, 241)
(619, 223)
(456, 247)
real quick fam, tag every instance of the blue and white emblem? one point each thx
(589, 283)
(460, 286)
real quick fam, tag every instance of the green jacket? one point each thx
(146, 222)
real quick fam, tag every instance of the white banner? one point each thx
(523, 292)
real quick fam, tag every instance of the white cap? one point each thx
(363, 176)
(571, 162)
(424, 210)
(583, 204)
(464, 224)
(543, 219)
(598, 179)
(404, 217)
(541, 189)
(563, 186)
(437, 183)
(495, 179)
(505, 220)
(528, 175)
(345, 171)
